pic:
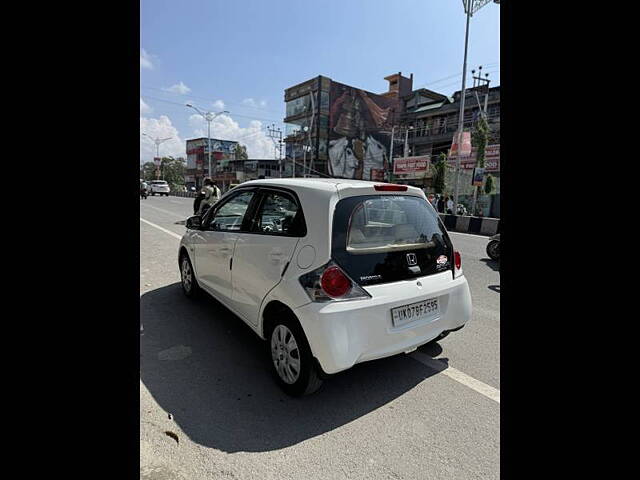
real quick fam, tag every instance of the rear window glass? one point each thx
(390, 224)
(385, 238)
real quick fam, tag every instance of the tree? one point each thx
(241, 152)
(171, 170)
(488, 185)
(439, 166)
(480, 138)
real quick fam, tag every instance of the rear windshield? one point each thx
(386, 238)
(155, 182)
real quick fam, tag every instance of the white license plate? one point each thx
(414, 311)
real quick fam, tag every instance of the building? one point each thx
(429, 122)
(342, 131)
(237, 171)
(222, 152)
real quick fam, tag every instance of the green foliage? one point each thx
(439, 166)
(489, 185)
(480, 137)
(241, 152)
(171, 169)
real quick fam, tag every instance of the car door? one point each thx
(215, 243)
(263, 253)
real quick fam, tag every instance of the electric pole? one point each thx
(275, 134)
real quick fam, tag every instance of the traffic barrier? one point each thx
(467, 224)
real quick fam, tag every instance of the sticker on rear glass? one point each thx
(442, 262)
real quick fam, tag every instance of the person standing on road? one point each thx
(440, 204)
(450, 206)
(211, 195)
(432, 199)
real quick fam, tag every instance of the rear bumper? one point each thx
(342, 334)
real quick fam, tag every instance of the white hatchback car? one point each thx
(160, 187)
(330, 272)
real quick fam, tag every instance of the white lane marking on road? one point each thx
(480, 387)
(173, 234)
(470, 234)
(165, 211)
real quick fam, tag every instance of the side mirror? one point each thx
(194, 222)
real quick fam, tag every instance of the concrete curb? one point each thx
(466, 224)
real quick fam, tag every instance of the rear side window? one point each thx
(280, 214)
(230, 216)
(385, 238)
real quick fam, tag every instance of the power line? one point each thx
(229, 115)
(208, 99)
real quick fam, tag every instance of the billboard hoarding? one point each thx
(360, 125)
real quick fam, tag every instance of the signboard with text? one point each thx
(491, 159)
(411, 167)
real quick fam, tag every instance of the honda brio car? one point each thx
(329, 272)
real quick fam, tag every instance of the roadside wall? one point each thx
(464, 224)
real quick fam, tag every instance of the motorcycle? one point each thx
(143, 193)
(493, 247)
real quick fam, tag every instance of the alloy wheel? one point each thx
(285, 354)
(187, 275)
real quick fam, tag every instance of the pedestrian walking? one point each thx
(440, 205)
(211, 195)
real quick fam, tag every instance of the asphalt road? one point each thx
(404, 417)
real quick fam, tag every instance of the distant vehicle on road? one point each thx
(160, 187)
(330, 272)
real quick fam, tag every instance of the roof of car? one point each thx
(321, 184)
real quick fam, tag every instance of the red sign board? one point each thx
(411, 166)
(491, 159)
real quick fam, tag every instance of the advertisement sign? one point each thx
(360, 126)
(411, 167)
(478, 175)
(377, 175)
(156, 160)
(491, 159)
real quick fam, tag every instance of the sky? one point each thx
(240, 56)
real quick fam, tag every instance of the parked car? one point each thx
(160, 187)
(330, 272)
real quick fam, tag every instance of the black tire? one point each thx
(308, 380)
(190, 289)
(493, 250)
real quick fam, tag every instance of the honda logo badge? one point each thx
(411, 259)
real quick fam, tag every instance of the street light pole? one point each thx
(467, 7)
(470, 7)
(157, 141)
(209, 117)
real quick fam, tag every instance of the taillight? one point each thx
(390, 187)
(330, 282)
(457, 259)
(334, 282)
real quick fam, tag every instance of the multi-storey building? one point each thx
(339, 130)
